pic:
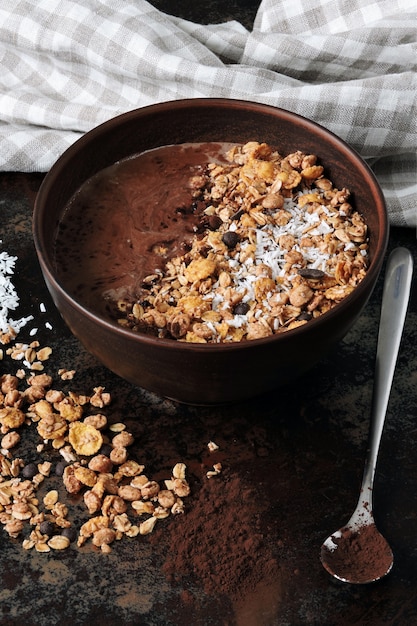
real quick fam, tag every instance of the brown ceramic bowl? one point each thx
(207, 373)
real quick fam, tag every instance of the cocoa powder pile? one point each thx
(361, 555)
(221, 542)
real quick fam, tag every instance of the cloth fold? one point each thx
(346, 64)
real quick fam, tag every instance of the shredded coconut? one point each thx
(9, 300)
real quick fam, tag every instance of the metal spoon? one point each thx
(357, 552)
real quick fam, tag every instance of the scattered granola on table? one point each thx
(119, 498)
(87, 454)
(277, 245)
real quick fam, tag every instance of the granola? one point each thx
(277, 246)
(119, 498)
(89, 457)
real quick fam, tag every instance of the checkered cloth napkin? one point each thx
(349, 65)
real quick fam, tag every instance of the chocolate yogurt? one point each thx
(211, 242)
(128, 220)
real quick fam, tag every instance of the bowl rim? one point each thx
(169, 106)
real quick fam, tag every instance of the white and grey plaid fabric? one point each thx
(349, 65)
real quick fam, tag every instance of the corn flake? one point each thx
(84, 438)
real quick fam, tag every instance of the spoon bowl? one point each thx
(357, 552)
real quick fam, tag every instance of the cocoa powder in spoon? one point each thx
(359, 554)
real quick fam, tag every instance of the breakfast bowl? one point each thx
(197, 372)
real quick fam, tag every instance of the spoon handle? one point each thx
(395, 298)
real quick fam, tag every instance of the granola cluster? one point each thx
(277, 245)
(120, 500)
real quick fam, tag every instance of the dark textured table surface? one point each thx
(302, 447)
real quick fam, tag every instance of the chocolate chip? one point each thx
(214, 222)
(230, 238)
(241, 308)
(309, 272)
(29, 471)
(305, 315)
(47, 528)
(70, 533)
(238, 215)
(106, 449)
(60, 467)
(209, 222)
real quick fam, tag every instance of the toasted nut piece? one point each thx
(139, 481)
(66, 374)
(43, 408)
(60, 511)
(11, 417)
(14, 527)
(133, 531)
(161, 512)
(10, 440)
(301, 295)
(85, 476)
(8, 382)
(45, 468)
(166, 498)
(94, 524)
(67, 454)
(122, 522)
(99, 421)
(69, 410)
(71, 482)
(181, 487)
(38, 479)
(100, 463)
(105, 548)
(40, 380)
(130, 468)
(92, 501)
(150, 490)
(178, 507)
(118, 455)
(100, 398)
(21, 511)
(52, 427)
(129, 493)
(217, 468)
(312, 172)
(104, 536)
(109, 483)
(114, 504)
(273, 201)
(54, 396)
(122, 440)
